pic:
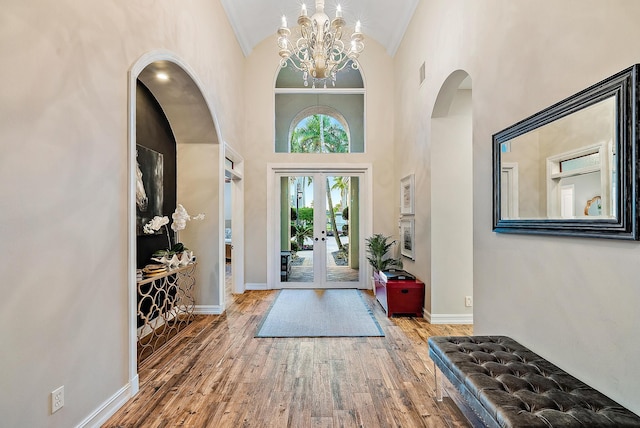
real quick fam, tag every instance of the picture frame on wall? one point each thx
(407, 238)
(407, 203)
(149, 186)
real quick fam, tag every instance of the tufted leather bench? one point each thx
(507, 385)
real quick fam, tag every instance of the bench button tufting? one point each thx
(524, 385)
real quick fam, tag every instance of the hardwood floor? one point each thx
(216, 374)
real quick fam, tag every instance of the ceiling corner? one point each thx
(235, 21)
(401, 29)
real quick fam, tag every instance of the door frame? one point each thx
(237, 220)
(273, 210)
(512, 195)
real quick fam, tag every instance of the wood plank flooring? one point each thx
(215, 373)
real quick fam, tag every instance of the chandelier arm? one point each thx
(329, 42)
(301, 50)
(337, 49)
(286, 62)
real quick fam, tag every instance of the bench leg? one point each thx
(437, 374)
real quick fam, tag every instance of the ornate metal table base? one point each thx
(165, 307)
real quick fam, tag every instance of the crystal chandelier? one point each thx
(319, 52)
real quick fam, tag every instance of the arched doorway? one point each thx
(451, 297)
(199, 161)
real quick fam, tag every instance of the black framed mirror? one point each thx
(571, 168)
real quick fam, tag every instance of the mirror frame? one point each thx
(623, 85)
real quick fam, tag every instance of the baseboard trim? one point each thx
(256, 286)
(207, 310)
(108, 408)
(448, 318)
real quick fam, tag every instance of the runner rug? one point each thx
(319, 313)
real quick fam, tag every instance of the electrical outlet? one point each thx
(57, 399)
(468, 302)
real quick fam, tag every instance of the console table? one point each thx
(165, 306)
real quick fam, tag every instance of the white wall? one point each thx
(574, 301)
(451, 225)
(198, 191)
(377, 69)
(64, 183)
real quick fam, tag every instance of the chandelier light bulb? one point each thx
(319, 51)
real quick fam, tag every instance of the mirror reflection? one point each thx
(593, 207)
(564, 169)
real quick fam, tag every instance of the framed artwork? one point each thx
(406, 195)
(407, 237)
(149, 186)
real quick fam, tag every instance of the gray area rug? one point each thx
(319, 313)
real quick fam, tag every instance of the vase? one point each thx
(183, 258)
(169, 261)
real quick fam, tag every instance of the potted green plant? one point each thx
(378, 247)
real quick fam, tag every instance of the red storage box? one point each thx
(399, 293)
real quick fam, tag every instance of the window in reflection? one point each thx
(552, 171)
(586, 161)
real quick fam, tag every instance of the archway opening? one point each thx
(451, 291)
(198, 165)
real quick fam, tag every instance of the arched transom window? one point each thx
(319, 130)
(319, 120)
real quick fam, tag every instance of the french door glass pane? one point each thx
(296, 229)
(342, 228)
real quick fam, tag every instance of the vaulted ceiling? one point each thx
(383, 20)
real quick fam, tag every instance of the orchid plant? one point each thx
(180, 218)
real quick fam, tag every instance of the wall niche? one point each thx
(153, 132)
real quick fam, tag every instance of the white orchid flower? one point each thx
(178, 224)
(181, 217)
(155, 224)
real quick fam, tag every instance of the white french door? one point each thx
(318, 229)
